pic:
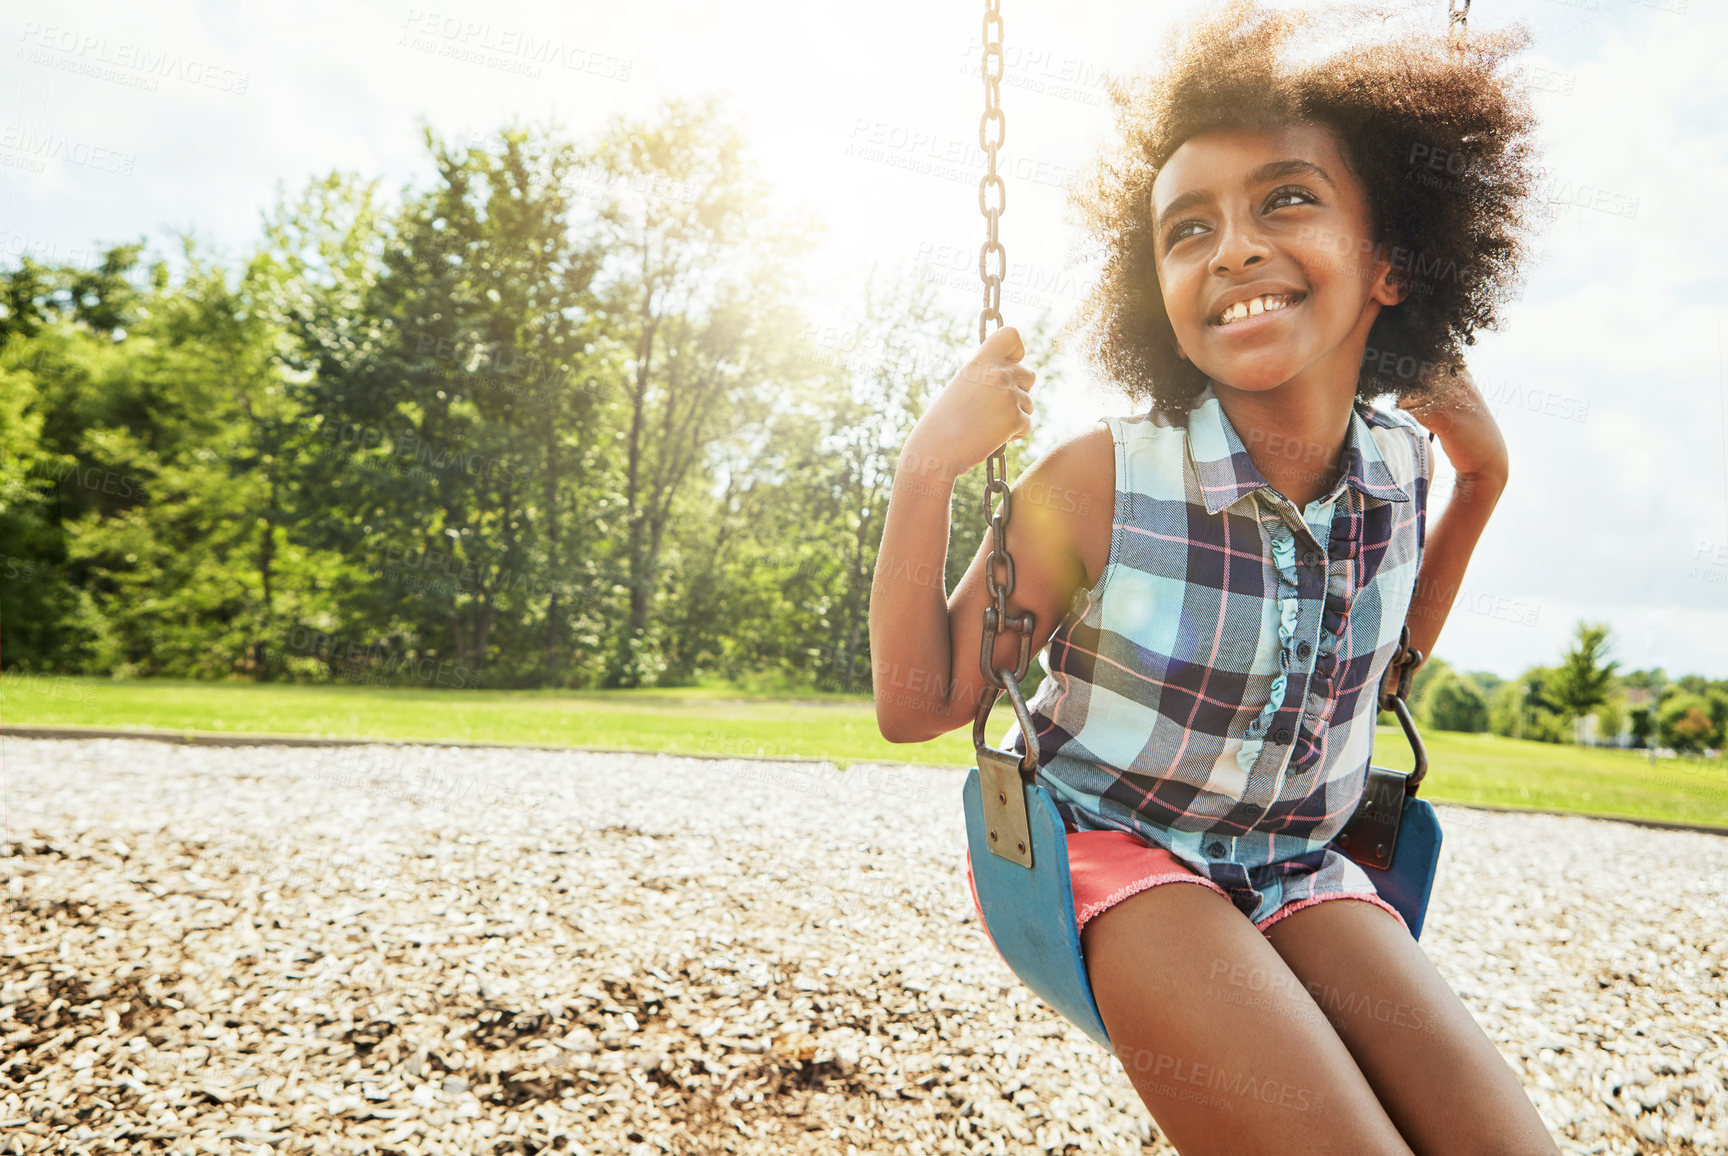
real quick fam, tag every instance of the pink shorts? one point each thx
(1106, 867)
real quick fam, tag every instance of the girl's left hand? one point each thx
(1467, 431)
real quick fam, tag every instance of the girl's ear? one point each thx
(1390, 287)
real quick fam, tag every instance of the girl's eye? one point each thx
(1176, 232)
(1297, 195)
(1303, 196)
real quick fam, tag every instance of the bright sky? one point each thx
(118, 122)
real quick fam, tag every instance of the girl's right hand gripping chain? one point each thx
(913, 637)
(987, 403)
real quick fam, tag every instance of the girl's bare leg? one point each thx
(1229, 1068)
(1436, 1072)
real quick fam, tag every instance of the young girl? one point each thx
(1221, 581)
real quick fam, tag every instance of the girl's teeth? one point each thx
(1253, 308)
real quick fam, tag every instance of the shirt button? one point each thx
(1303, 650)
(1215, 850)
(1311, 558)
(1283, 736)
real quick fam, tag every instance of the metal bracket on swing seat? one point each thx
(1002, 778)
(1371, 835)
(1004, 797)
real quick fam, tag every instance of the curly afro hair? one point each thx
(1439, 142)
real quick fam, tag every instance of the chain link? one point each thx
(1457, 31)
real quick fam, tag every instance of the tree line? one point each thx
(1583, 698)
(563, 417)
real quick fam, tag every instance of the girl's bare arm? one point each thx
(1446, 556)
(1473, 444)
(924, 644)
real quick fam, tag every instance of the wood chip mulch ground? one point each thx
(440, 950)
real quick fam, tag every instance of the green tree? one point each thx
(36, 603)
(189, 576)
(1644, 679)
(449, 402)
(1585, 676)
(1683, 723)
(1453, 703)
(1486, 682)
(1642, 721)
(699, 291)
(152, 398)
(1521, 708)
(1716, 706)
(1433, 669)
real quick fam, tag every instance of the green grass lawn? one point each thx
(710, 719)
(724, 720)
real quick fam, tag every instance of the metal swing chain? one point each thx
(1405, 660)
(996, 616)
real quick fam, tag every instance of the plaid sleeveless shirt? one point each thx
(1215, 694)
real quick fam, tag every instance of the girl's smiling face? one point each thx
(1273, 220)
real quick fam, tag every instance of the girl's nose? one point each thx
(1239, 244)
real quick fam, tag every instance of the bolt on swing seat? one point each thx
(1019, 853)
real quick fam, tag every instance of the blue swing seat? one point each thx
(1029, 911)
